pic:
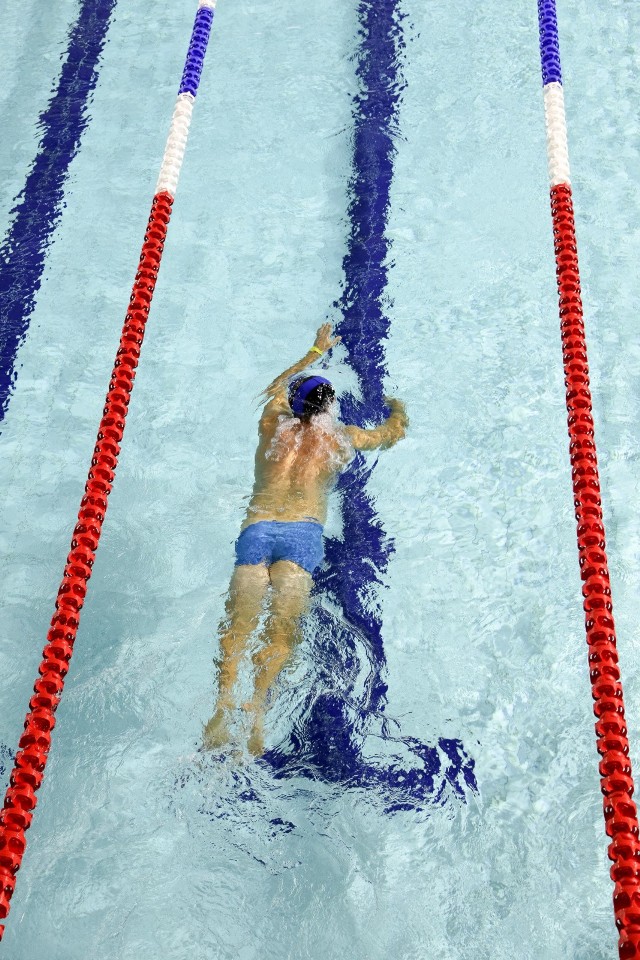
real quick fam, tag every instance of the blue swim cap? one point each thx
(309, 395)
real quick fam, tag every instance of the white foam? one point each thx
(327, 433)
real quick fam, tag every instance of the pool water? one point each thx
(430, 787)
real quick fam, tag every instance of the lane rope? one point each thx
(620, 814)
(35, 742)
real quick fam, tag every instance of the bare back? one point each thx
(296, 464)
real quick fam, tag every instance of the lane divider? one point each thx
(35, 742)
(620, 814)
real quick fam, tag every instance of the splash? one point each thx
(331, 444)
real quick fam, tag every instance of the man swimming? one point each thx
(301, 450)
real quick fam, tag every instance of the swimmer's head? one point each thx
(309, 396)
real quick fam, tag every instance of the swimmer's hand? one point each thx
(387, 433)
(398, 410)
(395, 426)
(324, 341)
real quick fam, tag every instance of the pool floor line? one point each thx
(358, 560)
(38, 206)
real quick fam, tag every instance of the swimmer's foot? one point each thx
(255, 743)
(216, 732)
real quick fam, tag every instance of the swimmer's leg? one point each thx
(247, 590)
(291, 586)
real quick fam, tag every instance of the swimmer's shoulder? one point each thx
(276, 409)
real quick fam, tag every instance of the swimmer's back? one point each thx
(296, 462)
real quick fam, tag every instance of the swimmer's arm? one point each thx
(324, 341)
(387, 433)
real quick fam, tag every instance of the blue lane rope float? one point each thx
(197, 50)
(549, 43)
(35, 743)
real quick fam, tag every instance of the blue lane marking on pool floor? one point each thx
(328, 743)
(38, 206)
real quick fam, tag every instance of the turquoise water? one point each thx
(482, 622)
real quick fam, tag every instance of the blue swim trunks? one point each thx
(268, 541)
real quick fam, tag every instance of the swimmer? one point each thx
(301, 450)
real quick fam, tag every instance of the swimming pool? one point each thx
(469, 633)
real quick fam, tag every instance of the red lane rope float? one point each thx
(620, 814)
(34, 744)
